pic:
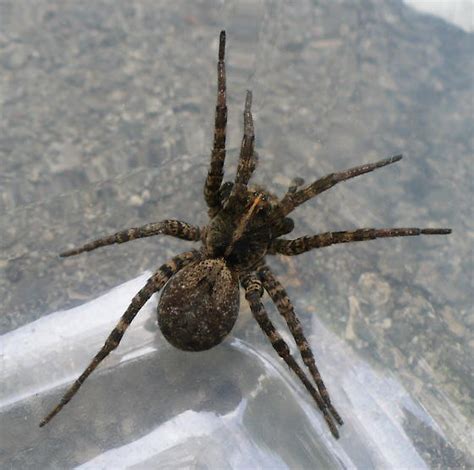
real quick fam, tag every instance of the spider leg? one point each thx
(293, 199)
(253, 293)
(280, 298)
(174, 228)
(248, 157)
(216, 173)
(307, 243)
(154, 284)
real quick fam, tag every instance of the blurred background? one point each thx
(106, 123)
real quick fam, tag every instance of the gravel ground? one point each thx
(106, 114)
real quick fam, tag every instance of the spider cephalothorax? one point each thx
(200, 301)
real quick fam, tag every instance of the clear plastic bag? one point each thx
(150, 405)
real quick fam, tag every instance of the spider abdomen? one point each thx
(199, 305)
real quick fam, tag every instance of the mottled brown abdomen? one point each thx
(199, 305)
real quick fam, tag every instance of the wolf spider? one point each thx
(200, 301)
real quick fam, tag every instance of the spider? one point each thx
(200, 300)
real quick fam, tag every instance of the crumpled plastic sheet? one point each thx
(149, 405)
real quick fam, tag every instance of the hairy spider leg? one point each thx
(216, 169)
(307, 243)
(280, 298)
(173, 228)
(253, 293)
(247, 158)
(154, 284)
(291, 200)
